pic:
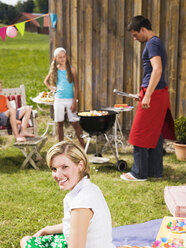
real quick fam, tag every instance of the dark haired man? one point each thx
(153, 118)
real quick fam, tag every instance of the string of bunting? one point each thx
(11, 30)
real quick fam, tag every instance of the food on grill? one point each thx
(46, 96)
(93, 113)
(120, 105)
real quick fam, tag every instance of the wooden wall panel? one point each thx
(172, 51)
(52, 33)
(94, 32)
(103, 54)
(88, 54)
(120, 41)
(81, 52)
(181, 83)
(96, 53)
(112, 64)
(74, 33)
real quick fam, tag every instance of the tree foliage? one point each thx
(27, 6)
(9, 12)
(41, 6)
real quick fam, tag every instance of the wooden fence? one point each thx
(94, 33)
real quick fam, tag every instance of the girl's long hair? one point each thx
(53, 72)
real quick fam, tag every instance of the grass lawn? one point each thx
(30, 199)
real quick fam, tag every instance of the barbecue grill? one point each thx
(97, 125)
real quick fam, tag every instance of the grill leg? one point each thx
(87, 144)
(108, 141)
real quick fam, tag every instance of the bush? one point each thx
(180, 129)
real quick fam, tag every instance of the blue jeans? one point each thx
(148, 162)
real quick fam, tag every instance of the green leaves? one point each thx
(180, 129)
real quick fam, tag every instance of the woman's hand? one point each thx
(44, 231)
(48, 230)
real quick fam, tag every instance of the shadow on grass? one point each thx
(12, 164)
(105, 168)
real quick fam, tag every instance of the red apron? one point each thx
(149, 123)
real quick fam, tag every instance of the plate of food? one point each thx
(46, 97)
(93, 113)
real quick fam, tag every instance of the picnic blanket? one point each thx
(143, 234)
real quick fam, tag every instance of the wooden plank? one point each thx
(155, 16)
(136, 67)
(52, 31)
(81, 56)
(128, 64)
(181, 83)
(103, 53)
(59, 26)
(137, 59)
(88, 54)
(67, 23)
(112, 63)
(74, 32)
(96, 53)
(173, 51)
(120, 52)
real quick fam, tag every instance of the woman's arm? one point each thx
(73, 107)
(80, 219)
(49, 230)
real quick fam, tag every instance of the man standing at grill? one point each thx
(153, 120)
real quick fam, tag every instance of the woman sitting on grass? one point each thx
(87, 220)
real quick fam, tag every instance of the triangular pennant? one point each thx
(40, 20)
(53, 18)
(3, 33)
(21, 27)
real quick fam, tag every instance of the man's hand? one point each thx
(146, 102)
(137, 97)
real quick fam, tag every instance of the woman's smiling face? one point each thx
(65, 172)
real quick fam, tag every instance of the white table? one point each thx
(50, 121)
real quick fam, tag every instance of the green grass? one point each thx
(25, 60)
(30, 199)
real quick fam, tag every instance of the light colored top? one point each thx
(88, 195)
(64, 87)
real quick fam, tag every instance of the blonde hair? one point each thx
(54, 68)
(72, 151)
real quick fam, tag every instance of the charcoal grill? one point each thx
(100, 125)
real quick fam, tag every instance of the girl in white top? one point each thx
(87, 220)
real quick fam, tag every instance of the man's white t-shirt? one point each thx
(88, 195)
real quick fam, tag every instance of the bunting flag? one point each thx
(3, 33)
(53, 18)
(21, 27)
(40, 20)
